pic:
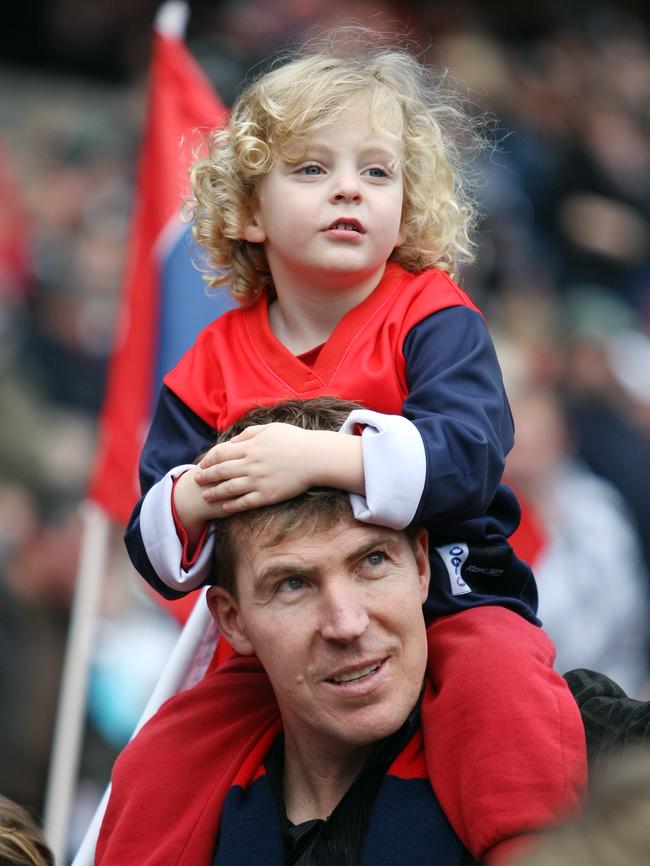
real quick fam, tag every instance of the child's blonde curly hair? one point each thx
(299, 97)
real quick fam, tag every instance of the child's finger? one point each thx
(249, 433)
(219, 472)
(220, 465)
(232, 488)
(219, 454)
(253, 499)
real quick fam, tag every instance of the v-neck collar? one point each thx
(288, 366)
(350, 819)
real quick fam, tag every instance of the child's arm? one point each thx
(176, 436)
(169, 536)
(270, 463)
(458, 404)
(444, 461)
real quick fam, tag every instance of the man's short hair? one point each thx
(317, 509)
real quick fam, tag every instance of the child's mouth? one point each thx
(346, 225)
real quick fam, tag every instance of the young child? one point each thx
(335, 207)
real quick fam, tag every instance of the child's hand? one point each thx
(272, 462)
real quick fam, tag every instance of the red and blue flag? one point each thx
(164, 303)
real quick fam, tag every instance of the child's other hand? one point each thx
(272, 462)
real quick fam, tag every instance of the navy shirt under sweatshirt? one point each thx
(341, 838)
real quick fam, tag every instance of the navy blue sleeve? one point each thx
(177, 435)
(458, 404)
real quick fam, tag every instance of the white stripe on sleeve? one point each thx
(161, 540)
(394, 465)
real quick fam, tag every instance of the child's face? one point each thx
(330, 218)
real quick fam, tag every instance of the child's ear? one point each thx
(400, 238)
(253, 229)
(225, 611)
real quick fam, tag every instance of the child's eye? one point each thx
(376, 171)
(311, 170)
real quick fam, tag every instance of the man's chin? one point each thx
(372, 724)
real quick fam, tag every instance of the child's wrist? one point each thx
(190, 508)
(339, 462)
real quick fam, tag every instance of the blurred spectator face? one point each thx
(43, 569)
(18, 520)
(541, 439)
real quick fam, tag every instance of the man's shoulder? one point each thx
(187, 720)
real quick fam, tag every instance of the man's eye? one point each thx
(377, 557)
(292, 584)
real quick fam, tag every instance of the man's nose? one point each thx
(344, 616)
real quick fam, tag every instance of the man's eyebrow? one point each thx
(280, 572)
(369, 546)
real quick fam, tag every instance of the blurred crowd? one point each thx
(562, 273)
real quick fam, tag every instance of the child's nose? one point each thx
(346, 188)
(347, 195)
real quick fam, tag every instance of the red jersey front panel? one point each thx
(237, 362)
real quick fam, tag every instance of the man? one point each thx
(334, 616)
(332, 608)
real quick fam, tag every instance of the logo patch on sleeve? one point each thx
(453, 556)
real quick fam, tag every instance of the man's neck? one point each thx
(315, 781)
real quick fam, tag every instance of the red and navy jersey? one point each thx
(417, 347)
(177, 799)
(406, 824)
(238, 363)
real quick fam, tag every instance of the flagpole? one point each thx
(171, 19)
(68, 729)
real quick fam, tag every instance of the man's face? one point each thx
(336, 620)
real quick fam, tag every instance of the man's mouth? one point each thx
(360, 673)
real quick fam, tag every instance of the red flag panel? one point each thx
(181, 100)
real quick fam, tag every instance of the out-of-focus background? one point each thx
(563, 275)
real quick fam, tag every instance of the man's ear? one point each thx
(225, 611)
(253, 228)
(421, 550)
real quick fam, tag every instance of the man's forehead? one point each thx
(313, 548)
